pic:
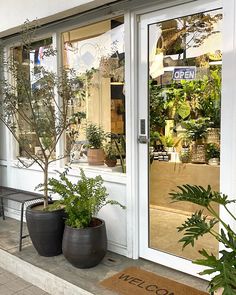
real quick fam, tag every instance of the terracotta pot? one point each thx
(85, 247)
(110, 163)
(95, 156)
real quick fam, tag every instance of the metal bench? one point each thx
(21, 197)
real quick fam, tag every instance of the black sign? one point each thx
(184, 73)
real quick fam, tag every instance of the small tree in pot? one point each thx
(95, 136)
(33, 108)
(84, 241)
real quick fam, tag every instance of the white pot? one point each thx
(219, 291)
(214, 161)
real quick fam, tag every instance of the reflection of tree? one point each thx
(183, 33)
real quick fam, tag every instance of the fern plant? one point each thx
(224, 268)
(82, 200)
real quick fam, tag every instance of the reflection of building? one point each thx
(95, 40)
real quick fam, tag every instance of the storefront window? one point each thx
(29, 65)
(96, 54)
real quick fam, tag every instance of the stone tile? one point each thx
(5, 291)
(18, 285)
(32, 290)
(6, 277)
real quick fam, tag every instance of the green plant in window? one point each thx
(196, 129)
(212, 151)
(95, 136)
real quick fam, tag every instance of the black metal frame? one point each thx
(21, 197)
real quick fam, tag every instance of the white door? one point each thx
(179, 85)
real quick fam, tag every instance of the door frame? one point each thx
(159, 15)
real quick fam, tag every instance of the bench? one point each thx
(22, 197)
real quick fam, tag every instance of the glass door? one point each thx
(179, 124)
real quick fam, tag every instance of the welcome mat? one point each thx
(137, 281)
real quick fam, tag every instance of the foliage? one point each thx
(224, 268)
(196, 129)
(119, 141)
(191, 31)
(33, 108)
(169, 140)
(212, 151)
(110, 151)
(95, 135)
(82, 200)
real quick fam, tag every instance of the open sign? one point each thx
(184, 73)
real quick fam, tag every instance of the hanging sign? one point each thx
(184, 73)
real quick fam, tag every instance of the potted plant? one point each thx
(213, 153)
(31, 108)
(196, 130)
(224, 267)
(110, 155)
(84, 240)
(95, 136)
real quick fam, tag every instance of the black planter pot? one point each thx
(86, 247)
(46, 230)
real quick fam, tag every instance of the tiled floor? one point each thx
(12, 285)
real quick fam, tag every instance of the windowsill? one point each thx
(110, 174)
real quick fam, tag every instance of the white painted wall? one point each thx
(13, 13)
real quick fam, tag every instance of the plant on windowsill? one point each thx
(110, 155)
(84, 240)
(95, 136)
(32, 108)
(223, 268)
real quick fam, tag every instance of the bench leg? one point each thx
(21, 226)
(2, 209)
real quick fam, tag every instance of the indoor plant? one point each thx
(84, 240)
(196, 130)
(95, 136)
(33, 108)
(224, 268)
(213, 153)
(110, 155)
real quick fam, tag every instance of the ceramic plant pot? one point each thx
(46, 229)
(86, 247)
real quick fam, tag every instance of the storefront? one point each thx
(153, 75)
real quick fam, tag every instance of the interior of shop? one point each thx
(185, 60)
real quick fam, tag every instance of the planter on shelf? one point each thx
(95, 136)
(95, 156)
(213, 135)
(214, 161)
(84, 239)
(85, 248)
(110, 155)
(198, 153)
(45, 229)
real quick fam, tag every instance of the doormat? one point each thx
(137, 281)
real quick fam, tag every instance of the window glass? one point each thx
(96, 54)
(30, 64)
(185, 60)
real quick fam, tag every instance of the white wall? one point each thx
(13, 13)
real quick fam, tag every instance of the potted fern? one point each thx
(224, 267)
(95, 136)
(84, 241)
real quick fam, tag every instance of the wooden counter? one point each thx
(165, 176)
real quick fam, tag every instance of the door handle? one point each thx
(143, 139)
